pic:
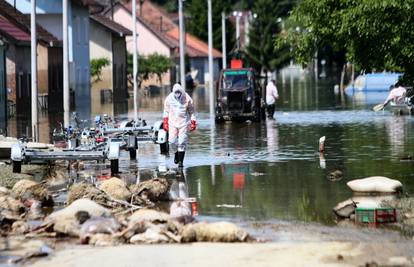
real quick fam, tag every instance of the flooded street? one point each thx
(272, 170)
(267, 177)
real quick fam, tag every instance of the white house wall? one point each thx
(100, 46)
(148, 43)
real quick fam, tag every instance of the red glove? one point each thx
(193, 125)
(165, 124)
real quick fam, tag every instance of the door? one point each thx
(55, 75)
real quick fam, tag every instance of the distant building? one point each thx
(150, 40)
(157, 33)
(15, 35)
(49, 16)
(107, 40)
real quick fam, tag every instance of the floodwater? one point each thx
(272, 170)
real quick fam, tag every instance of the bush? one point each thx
(97, 64)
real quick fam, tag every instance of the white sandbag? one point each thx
(373, 202)
(375, 184)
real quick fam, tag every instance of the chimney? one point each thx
(160, 23)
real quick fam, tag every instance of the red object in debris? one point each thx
(236, 64)
(194, 206)
(100, 139)
(238, 180)
(103, 177)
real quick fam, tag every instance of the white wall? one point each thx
(148, 43)
(100, 46)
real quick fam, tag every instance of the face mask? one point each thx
(177, 94)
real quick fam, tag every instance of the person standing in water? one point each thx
(179, 118)
(271, 96)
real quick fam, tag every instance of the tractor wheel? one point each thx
(257, 117)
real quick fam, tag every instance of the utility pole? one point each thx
(33, 44)
(135, 58)
(66, 96)
(210, 57)
(223, 38)
(238, 15)
(182, 48)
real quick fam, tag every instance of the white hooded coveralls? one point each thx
(271, 93)
(180, 113)
(397, 95)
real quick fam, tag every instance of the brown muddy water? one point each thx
(271, 171)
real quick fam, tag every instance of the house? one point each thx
(15, 35)
(197, 52)
(157, 33)
(107, 40)
(49, 16)
(149, 39)
(196, 49)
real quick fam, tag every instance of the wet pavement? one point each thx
(272, 170)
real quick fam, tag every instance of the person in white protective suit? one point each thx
(397, 95)
(271, 96)
(179, 117)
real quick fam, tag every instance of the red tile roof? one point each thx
(195, 47)
(111, 25)
(154, 15)
(151, 14)
(10, 30)
(168, 41)
(22, 22)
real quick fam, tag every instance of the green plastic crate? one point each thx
(375, 215)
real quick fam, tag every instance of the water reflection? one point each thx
(396, 134)
(181, 206)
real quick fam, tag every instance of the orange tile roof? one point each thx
(151, 14)
(195, 47)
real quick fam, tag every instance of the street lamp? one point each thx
(247, 21)
(182, 48)
(237, 15)
(223, 39)
(33, 46)
(135, 59)
(210, 56)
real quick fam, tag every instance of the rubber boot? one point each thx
(176, 158)
(181, 155)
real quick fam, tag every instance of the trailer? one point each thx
(102, 143)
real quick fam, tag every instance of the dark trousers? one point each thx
(270, 110)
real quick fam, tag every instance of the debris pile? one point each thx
(109, 213)
(377, 200)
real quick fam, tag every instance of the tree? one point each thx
(97, 64)
(196, 24)
(153, 64)
(265, 27)
(376, 35)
